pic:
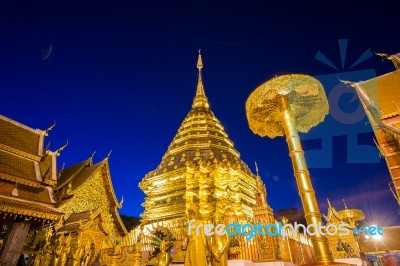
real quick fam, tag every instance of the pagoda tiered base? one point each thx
(354, 261)
(250, 263)
(338, 262)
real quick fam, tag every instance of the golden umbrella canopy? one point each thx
(307, 103)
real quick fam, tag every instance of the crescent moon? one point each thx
(48, 53)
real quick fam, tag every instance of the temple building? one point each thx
(86, 195)
(346, 246)
(49, 214)
(380, 98)
(27, 176)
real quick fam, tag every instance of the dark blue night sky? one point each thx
(121, 76)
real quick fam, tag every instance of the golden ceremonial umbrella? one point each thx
(285, 105)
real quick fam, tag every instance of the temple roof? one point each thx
(79, 220)
(383, 92)
(18, 169)
(27, 171)
(20, 137)
(381, 101)
(74, 178)
(350, 216)
(28, 207)
(201, 137)
(68, 174)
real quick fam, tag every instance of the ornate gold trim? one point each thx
(20, 153)
(10, 207)
(20, 180)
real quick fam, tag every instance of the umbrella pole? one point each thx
(304, 185)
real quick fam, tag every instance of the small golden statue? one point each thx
(58, 248)
(219, 245)
(47, 257)
(44, 256)
(89, 254)
(196, 248)
(78, 254)
(138, 245)
(65, 251)
(164, 257)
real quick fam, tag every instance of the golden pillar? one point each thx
(285, 105)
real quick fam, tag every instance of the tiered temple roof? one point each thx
(380, 98)
(86, 187)
(27, 172)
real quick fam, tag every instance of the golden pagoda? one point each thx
(201, 167)
(201, 170)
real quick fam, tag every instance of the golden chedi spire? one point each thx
(199, 162)
(201, 136)
(200, 100)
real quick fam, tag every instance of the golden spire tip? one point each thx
(200, 99)
(199, 61)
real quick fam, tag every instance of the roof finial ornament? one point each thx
(345, 205)
(383, 55)
(200, 100)
(348, 83)
(61, 148)
(50, 128)
(108, 155)
(91, 156)
(47, 146)
(256, 168)
(329, 203)
(61, 170)
(394, 58)
(119, 205)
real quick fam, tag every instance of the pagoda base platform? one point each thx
(354, 261)
(250, 263)
(274, 263)
(348, 261)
